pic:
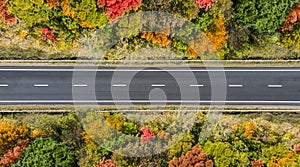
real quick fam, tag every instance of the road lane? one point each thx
(55, 85)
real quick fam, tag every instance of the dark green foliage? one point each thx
(263, 16)
(142, 159)
(47, 152)
(63, 127)
(184, 8)
(158, 5)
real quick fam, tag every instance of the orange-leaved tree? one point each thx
(217, 33)
(5, 15)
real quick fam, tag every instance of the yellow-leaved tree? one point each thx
(10, 134)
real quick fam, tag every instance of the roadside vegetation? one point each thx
(252, 139)
(54, 29)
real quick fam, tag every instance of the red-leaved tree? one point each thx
(147, 134)
(117, 8)
(204, 3)
(196, 157)
(297, 148)
(47, 34)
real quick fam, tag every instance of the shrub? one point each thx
(115, 120)
(5, 14)
(105, 163)
(158, 5)
(279, 155)
(249, 129)
(130, 128)
(184, 8)
(153, 157)
(47, 34)
(205, 3)
(84, 12)
(116, 9)
(182, 147)
(222, 7)
(32, 16)
(196, 157)
(13, 154)
(90, 152)
(63, 28)
(204, 21)
(63, 127)
(257, 163)
(52, 3)
(239, 36)
(262, 16)
(223, 154)
(293, 17)
(215, 38)
(10, 134)
(46, 152)
(147, 134)
(292, 37)
(297, 148)
(157, 38)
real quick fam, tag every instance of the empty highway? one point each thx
(108, 86)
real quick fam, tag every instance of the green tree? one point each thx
(263, 16)
(46, 152)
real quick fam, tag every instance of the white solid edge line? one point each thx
(142, 101)
(119, 85)
(3, 85)
(235, 86)
(41, 85)
(158, 85)
(159, 70)
(80, 85)
(196, 85)
(275, 86)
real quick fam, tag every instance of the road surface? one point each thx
(108, 86)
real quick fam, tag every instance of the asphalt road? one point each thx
(196, 86)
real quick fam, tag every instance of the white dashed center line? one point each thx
(41, 85)
(119, 85)
(80, 85)
(197, 85)
(3, 85)
(235, 86)
(158, 85)
(275, 86)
